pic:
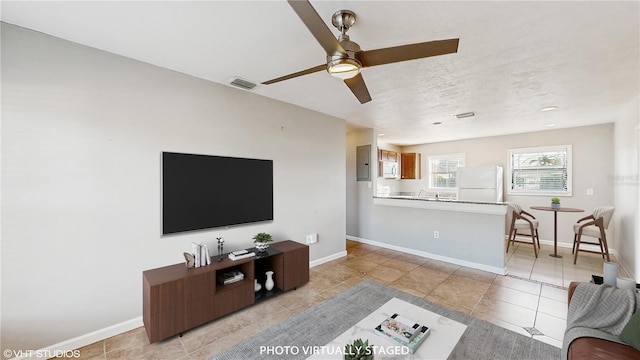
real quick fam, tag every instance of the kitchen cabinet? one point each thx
(387, 155)
(387, 164)
(410, 166)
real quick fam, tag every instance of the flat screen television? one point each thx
(203, 191)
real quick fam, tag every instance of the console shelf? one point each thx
(176, 299)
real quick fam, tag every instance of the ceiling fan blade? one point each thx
(317, 27)
(296, 74)
(407, 52)
(358, 88)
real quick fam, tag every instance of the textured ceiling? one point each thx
(514, 58)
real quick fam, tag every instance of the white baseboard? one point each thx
(328, 258)
(491, 269)
(354, 238)
(566, 245)
(66, 346)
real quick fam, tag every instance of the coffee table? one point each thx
(445, 334)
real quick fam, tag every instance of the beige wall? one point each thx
(625, 185)
(605, 157)
(82, 135)
(592, 168)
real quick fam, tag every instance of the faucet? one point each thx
(437, 196)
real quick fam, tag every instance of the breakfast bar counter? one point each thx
(466, 233)
(442, 204)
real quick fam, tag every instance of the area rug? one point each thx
(321, 323)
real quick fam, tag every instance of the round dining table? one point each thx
(555, 223)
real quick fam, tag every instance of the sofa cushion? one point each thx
(596, 349)
(598, 312)
(600, 307)
(631, 332)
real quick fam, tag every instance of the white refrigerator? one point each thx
(480, 183)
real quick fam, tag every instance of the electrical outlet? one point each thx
(312, 239)
(590, 192)
(436, 234)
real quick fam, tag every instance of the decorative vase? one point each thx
(256, 285)
(610, 273)
(555, 206)
(269, 283)
(262, 246)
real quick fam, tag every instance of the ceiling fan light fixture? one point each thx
(344, 68)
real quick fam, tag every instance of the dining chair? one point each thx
(522, 220)
(599, 222)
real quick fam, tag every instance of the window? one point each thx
(540, 171)
(443, 170)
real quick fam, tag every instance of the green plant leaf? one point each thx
(262, 237)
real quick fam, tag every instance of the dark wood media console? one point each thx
(176, 299)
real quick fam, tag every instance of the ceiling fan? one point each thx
(345, 59)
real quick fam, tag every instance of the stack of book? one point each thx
(403, 331)
(200, 254)
(240, 254)
(230, 277)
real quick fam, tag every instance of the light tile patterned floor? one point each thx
(532, 296)
(522, 263)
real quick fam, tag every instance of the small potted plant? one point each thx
(262, 241)
(555, 203)
(358, 350)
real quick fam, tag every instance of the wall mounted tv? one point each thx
(202, 191)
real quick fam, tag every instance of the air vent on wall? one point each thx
(242, 83)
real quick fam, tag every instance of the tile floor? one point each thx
(555, 271)
(531, 296)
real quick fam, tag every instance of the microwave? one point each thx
(389, 169)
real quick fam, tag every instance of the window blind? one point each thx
(544, 171)
(443, 170)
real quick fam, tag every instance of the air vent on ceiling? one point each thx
(465, 115)
(242, 83)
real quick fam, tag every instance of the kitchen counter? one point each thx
(444, 204)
